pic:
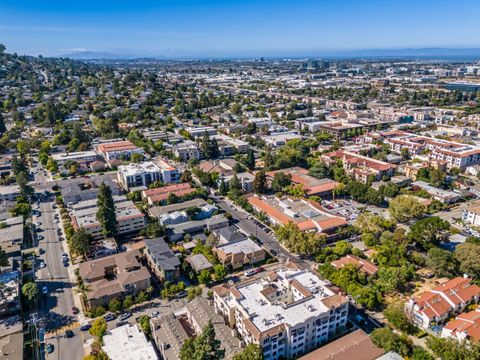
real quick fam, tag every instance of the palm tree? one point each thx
(83, 288)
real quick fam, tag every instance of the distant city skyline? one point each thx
(234, 28)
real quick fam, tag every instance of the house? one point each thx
(10, 283)
(473, 170)
(128, 342)
(239, 253)
(159, 211)
(161, 259)
(114, 277)
(465, 326)
(363, 265)
(471, 214)
(436, 305)
(199, 262)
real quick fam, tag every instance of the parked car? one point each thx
(49, 348)
(75, 310)
(109, 317)
(45, 290)
(70, 333)
(85, 327)
(42, 264)
(155, 314)
(250, 272)
(259, 270)
(125, 315)
(181, 294)
(121, 323)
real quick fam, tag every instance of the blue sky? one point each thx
(234, 27)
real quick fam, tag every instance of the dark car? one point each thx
(121, 323)
(70, 334)
(85, 327)
(49, 348)
(259, 270)
(75, 310)
(109, 317)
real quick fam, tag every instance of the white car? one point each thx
(250, 272)
(45, 290)
(42, 264)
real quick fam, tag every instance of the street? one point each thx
(55, 308)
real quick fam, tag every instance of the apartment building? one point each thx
(187, 150)
(129, 219)
(200, 131)
(306, 215)
(82, 158)
(114, 277)
(471, 214)
(118, 150)
(229, 146)
(137, 175)
(287, 312)
(465, 326)
(438, 304)
(160, 195)
(360, 167)
(161, 259)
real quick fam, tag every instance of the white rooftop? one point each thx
(266, 314)
(133, 169)
(128, 343)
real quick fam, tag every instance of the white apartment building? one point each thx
(471, 215)
(288, 312)
(186, 151)
(118, 150)
(129, 219)
(200, 131)
(145, 173)
(82, 158)
(230, 146)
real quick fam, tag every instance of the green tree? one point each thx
(250, 160)
(52, 165)
(428, 232)
(234, 186)
(220, 272)
(127, 302)
(204, 277)
(250, 352)
(468, 255)
(144, 322)
(106, 211)
(396, 316)
(80, 242)
(30, 291)
(389, 341)
(280, 181)
(3, 258)
(114, 305)
(260, 182)
(404, 208)
(3, 128)
(441, 262)
(99, 328)
(203, 347)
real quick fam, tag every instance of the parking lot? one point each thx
(345, 208)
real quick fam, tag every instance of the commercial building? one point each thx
(114, 277)
(280, 139)
(288, 312)
(128, 342)
(438, 304)
(306, 215)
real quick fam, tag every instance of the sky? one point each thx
(234, 27)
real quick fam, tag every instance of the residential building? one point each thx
(471, 214)
(137, 175)
(200, 131)
(187, 150)
(230, 146)
(239, 253)
(161, 259)
(444, 196)
(363, 265)
(114, 277)
(288, 312)
(160, 195)
(356, 345)
(159, 211)
(9, 193)
(245, 178)
(81, 189)
(362, 168)
(280, 139)
(311, 185)
(169, 334)
(199, 262)
(465, 326)
(118, 150)
(128, 342)
(177, 232)
(10, 282)
(308, 215)
(438, 304)
(82, 158)
(129, 219)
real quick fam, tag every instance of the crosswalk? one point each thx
(62, 329)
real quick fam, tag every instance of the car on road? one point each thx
(155, 314)
(125, 315)
(250, 272)
(75, 310)
(38, 223)
(41, 251)
(42, 264)
(121, 323)
(49, 348)
(181, 294)
(109, 317)
(84, 327)
(259, 270)
(40, 237)
(45, 290)
(65, 264)
(69, 334)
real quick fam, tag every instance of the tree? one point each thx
(203, 347)
(389, 341)
(127, 302)
(144, 322)
(204, 277)
(114, 305)
(186, 176)
(80, 242)
(209, 147)
(250, 160)
(223, 188)
(234, 186)
(452, 349)
(3, 258)
(3, 128)
(391, 278)
(220, 272)
(83, 288)
(441, 262)
(106, 211)
(250, 352)
(260, 182)
(99, 328)
(136, 157)
(468, 255)
(396, 316)
(368, 222)
(404, 208)
(281, 181)
(52, 165)
(30, 291)
(428, 232)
